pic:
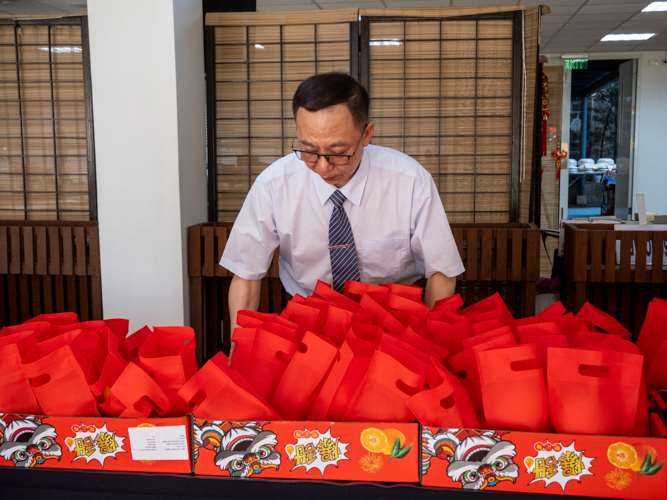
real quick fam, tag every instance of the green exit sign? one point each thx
(576, 63)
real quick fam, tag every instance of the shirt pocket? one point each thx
(383, 259)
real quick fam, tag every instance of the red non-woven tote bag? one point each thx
(446, 404)
(352, 361)
(55, 319)
(306, 317)
(382, 394)
(485, 337)
(424, 345)
(656, 379)
(602, 320)
(23, 339)
(253, 319)
(324, 291)
(528, 333)
(555, 310)
(400, 303)
(216, 392)
(304, 373)
(464, 366)
(41, 329)
(530, 320)
(492, 303)
(337, 324)
(168, 356)
(411, 292)
(653, 331)
(60, 385)
(267, 362)
(242, 340)
(355, 290)
(370, 333)
(136, 394)
(453, 303)
(514, 390)
(449, 331)
(16, 395)
(593, 392)
(129, 345)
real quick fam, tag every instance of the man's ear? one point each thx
(368, 134)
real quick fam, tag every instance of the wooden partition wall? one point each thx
(48, 267)
(501, 258)
(608, 268)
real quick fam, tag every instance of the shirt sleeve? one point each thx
(253, 238)
(431, 237)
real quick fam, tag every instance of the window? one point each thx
(46, 153)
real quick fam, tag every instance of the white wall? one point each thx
(147, 65)
(650, 168)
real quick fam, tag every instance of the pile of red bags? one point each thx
(373, 353)
(377, 353)
(54, 365)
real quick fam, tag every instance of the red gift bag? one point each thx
(16, 395)
(653, 332)
(305, 317)
(449, 331)
(411, 292)
(485, 326)
(41, 329)
(527, 334)
(25, 340)
(324, 291)
(337, 324)
(656, 379)
(253, 319)
(400, 303)
(424, 345)
(464, 366)
(375, 304)
(555, 310)
(413, 359)
(513, 388)
(216, 392)
(485, 337)
(531, 320)
(304, 373)
(593, 392)
(603, 321)
(354, 357)
(382, 395)
(136, 395)
(267, 362)
(369, 333)
(492, 303)
(60, 385)
(168, 356)
(242, 341)
(55, 319)
(129, 345)
(355, 290)
(451, 304)
(447, 404)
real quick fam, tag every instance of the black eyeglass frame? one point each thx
(327, 156)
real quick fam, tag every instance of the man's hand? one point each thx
(243, 295)
(439, 287)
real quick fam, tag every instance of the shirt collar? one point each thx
(353, 190)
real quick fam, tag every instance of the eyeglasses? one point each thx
(339, 160)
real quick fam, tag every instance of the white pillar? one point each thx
(147, 65)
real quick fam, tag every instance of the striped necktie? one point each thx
(343, 253)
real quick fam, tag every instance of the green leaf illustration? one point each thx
(655, 469)
(646, 466)
(404, 452)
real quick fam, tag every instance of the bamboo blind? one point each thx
(43, 148)
(257, 70)
(441, 92)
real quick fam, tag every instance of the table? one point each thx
(29, 484)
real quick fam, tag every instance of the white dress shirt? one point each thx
(400, 228)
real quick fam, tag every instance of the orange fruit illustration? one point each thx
(392, 436)
(622, 455)
(373, 439)
(642, 452)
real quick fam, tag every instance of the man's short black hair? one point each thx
(328, 89)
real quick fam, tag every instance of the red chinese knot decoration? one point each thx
(558, 155)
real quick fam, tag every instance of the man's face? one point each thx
(332, 131)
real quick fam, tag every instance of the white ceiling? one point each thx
(572, 26)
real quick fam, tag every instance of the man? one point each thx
(339, 208)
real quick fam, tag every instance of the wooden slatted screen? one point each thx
(442, 92)
(257, 68)
(46, 159)
(49, 267)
